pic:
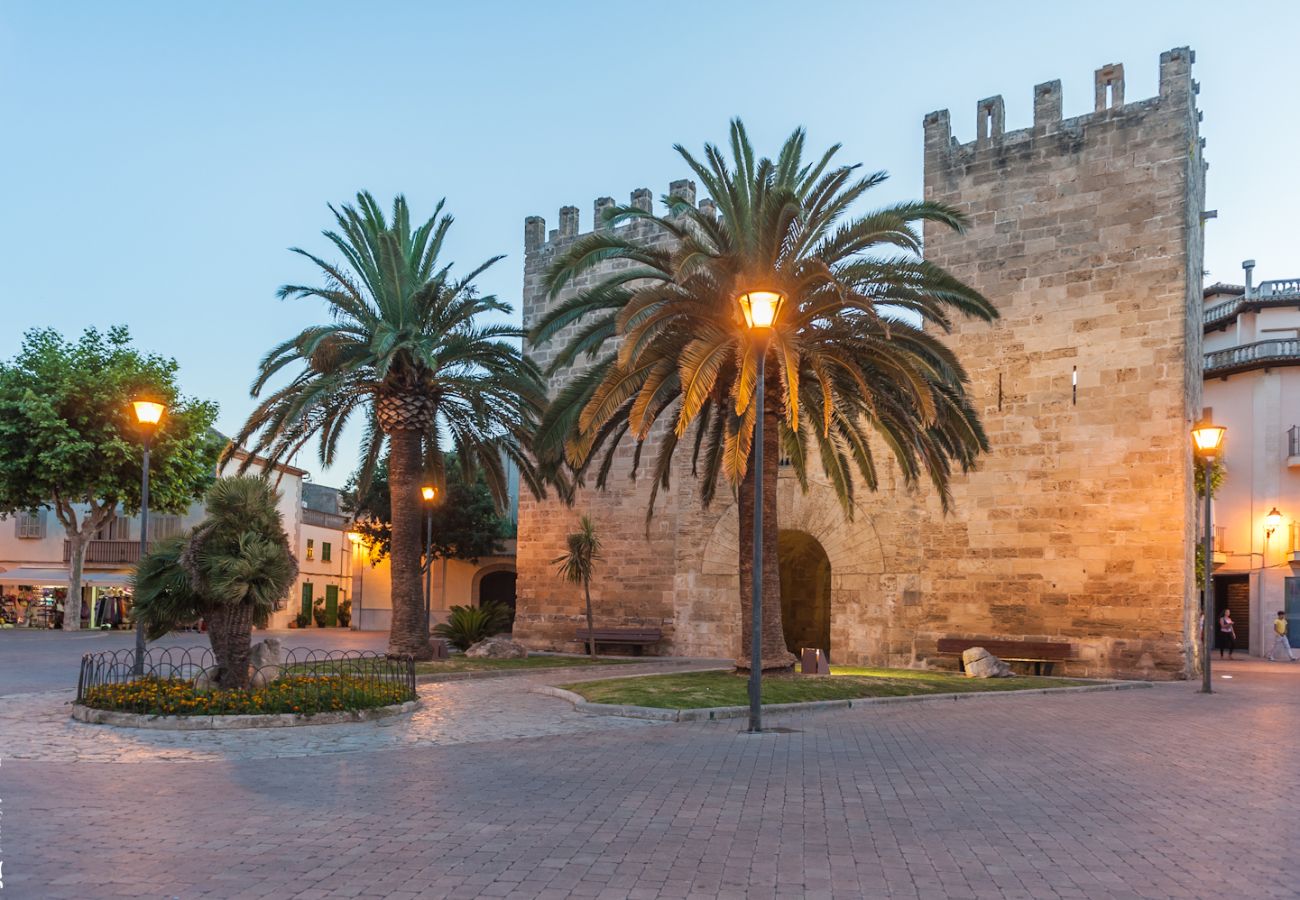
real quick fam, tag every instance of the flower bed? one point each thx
(295, 694)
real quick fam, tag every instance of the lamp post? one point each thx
(1207, 439)
(428, 492)
(358, 581)
(760, 309)
(147, 414)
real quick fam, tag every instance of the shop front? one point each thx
(33, 597)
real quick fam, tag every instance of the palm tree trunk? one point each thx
(775, 656)
(408, 636)
(591, 629)
(230, 631)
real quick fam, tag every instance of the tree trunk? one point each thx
(78, 541)
(230, 632)
(409, 636)
(775, 656)
(591, 629)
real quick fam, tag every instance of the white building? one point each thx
(1252, 385)
(34, 553)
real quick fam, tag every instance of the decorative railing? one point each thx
(1280, 292)
(324, 519)
(1252, 356)
(107, 553)
(307, 675)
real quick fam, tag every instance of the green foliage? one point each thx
(848, 375)
(467, 625)
(238, 557)
(1217, 473)
(405, 339)
(68, 432)
(302, 620)
(584, 550)
(466, 524)
(318, 612)
(345, 613)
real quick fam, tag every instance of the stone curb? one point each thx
(221, 723)
(735, 712)
(569, 672)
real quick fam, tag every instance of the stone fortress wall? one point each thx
(1078, 525)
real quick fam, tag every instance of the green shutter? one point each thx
(331, 604)
(306, 600)
(1293, 611)
(325, 551)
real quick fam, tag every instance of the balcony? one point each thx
(1269, 294)
(107, 553)
(1259, 355)
(1220, 554)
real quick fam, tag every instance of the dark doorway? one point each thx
(499, 587)
(1232, 592)
(805, 592)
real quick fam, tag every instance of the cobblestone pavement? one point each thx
(1156, 793)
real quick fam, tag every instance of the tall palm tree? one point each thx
(846, 376)
(406, 349)
(230, 571)
(578, 564)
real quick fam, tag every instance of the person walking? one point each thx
(1279, 628)
(1227, 634)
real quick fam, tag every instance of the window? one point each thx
(325, 551)
(30, 525)
(311, 549)
(163, 526)
(117, 528)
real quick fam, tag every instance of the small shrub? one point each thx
(345, 613)
(302, 620)
(467, 625)
(318, 613)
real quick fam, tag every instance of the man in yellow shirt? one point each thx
(1281, 643)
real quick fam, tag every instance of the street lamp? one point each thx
(1271, 521)
(1208, 440)
(148, 414)
(428, 492)
(760, 308)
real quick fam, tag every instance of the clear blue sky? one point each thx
(159, 158)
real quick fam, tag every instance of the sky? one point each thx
(159, 159)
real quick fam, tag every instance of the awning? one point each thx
(38, 577)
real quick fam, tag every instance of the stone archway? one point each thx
(805, 591)
(496, 584)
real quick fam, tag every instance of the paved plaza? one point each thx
(492, 790)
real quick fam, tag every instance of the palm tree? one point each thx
(230, 571)
(406, 350)
(579, 564)
(846, 376)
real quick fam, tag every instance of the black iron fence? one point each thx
(183, 681)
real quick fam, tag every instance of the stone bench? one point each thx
(1043, 654)
(636, 638)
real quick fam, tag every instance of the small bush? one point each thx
(467, 625)
(318, 613)
(345, 613)
(299, 694)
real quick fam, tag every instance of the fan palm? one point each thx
(577, 566)
(406, 350)
(845, 376)
(230, 571)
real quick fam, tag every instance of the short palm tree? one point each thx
(578, 565)
(230, 571)
(846, 376)
(406, 349)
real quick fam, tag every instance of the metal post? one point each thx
(138, 668)
(428, 564)
(756, 635)
(1207, 613)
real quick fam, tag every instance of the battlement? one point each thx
(1176, 88)
(536, 237)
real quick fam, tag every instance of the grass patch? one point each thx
(464, 664)
(695, 690)
(298, 694)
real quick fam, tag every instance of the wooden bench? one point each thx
(636, 638)
(1043, 654)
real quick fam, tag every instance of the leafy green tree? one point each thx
(846, 377)
(466, 523)
(578, 564)
(69, 441)
(406, 350)
(230, 570)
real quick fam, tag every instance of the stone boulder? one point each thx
(980, 663)
(497, 648)
(265, 662)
